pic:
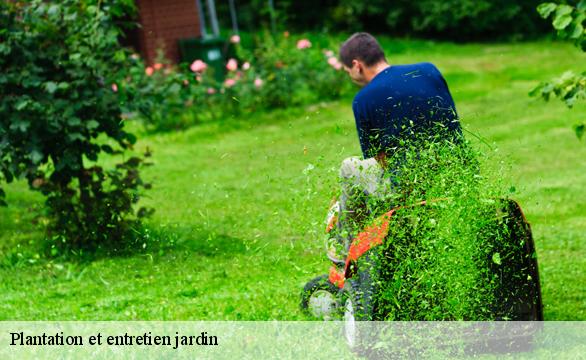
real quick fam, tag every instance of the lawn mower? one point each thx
(351, 289)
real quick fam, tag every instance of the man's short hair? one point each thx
(361, 46)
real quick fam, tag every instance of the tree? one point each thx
(60, 110)
(569, 87)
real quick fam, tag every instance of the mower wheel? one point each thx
(320, 298)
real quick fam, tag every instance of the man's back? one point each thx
(401, 102)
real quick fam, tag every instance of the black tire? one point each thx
(320, 283)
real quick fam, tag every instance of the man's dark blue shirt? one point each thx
(400, 102)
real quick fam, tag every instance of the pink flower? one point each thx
(198, 78)
(235, 39)
(258, 82)
(303, 44)
(329, 53)
(158, 66)
(246, 66)
(211, 91)
(198, 66)
(229, 82)
(338, 66)
(232, 65)
(149, 71)
(332, 61)
(114, 87)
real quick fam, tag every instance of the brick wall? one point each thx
(163, 23)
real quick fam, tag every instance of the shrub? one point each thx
(278, 72)
(439, 19)
(60, 110)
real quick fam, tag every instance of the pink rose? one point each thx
(149, 71)
(198, 66)
(158, 66)
(329, 53)
(303, 44)
(211, 91)
(235, 39)
(229, 82)
(246, 66)
(232, 65)
(114, 87)
(338, 66)
(332, 61)
(258, 82)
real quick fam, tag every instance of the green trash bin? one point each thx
(214, 51)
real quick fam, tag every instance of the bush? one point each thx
(439, 19)
(451, 19)
(278, 72)
(60, 110)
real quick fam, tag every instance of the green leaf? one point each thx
(561, 22)
(580, 130)
(581, 6)
(75, 136)
(564, 10)
(50, 86)
(36, 156)
(92, 124)
(496, 258)
(546, 9)
(73, 121)
(578, 31)
(63, 86)
(174, 89)
(21, 125)
(21, 104)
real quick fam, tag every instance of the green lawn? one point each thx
(244, 201)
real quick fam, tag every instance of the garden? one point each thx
(162, 191)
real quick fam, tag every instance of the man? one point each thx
(397, 104)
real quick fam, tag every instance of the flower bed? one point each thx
(280, 71)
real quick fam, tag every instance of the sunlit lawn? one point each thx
(244, 201)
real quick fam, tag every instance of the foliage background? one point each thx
(482, 19)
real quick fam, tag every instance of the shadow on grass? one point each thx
(151, 240)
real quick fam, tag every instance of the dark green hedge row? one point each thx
(442, 19)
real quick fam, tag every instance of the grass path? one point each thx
(244, 201)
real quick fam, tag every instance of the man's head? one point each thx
(362, 56)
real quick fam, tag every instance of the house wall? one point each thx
(163, 22)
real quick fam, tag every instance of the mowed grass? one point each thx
(243, 201)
